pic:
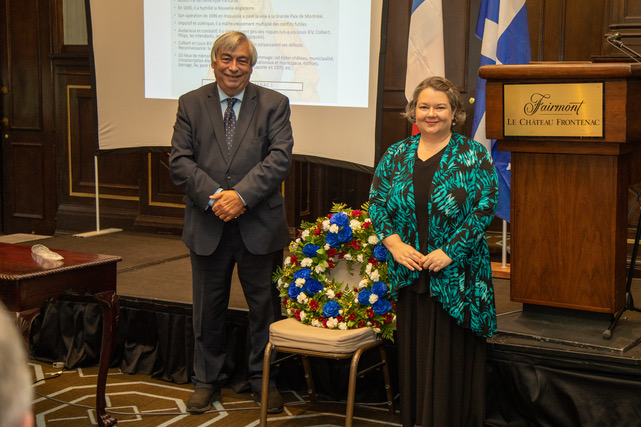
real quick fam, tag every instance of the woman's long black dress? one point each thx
(441, 365)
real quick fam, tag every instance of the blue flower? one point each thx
(363, 296)
(341, 219)
(310, 250)
(380, 289)
(313, 286)
(345, 234)
(331, 309)
(303, 273)
(293, 291)
(380, 252)
(332, 240)
(382, 306)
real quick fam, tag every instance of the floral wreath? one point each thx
(313, 297)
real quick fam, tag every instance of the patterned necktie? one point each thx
(230, 123)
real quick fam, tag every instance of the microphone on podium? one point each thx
(615, 40)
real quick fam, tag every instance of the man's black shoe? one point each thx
(274, 400)
(201, 400)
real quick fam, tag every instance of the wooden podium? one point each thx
(569, 182)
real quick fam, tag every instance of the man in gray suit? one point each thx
(230, 158)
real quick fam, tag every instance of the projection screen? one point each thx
(323, 55)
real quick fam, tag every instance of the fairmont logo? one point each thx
(553, 110)
(539, 103)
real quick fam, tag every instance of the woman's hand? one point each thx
(403, 253)
(435, 261)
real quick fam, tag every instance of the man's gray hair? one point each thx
(228, 42)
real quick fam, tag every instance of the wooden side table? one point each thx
(27, 281)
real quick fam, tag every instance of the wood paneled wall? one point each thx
(135, 190)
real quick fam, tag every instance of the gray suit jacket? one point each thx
(258, 164)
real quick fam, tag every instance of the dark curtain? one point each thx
(157, 340)
(530, 389)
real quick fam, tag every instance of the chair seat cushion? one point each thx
(291, 333)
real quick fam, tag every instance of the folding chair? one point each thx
(292, 337)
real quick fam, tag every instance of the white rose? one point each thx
(359, 258)
(362, 284)
(375, 276)
(300, 282)
(288, 260)
(332, 323)
(334, 228)
(342, 326)
(306, 262)
(301, 298)
(327, 246)
(304, 235)
(326, 225)
(355, 224)
(347, 257)
(319, 268)
(372, 240)
(330, 294)
(373, 298)
(302, 316)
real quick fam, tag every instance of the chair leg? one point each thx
(264, 394)
(386, 377)
(351, 389)
(308, 377)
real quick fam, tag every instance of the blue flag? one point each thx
(503, 27)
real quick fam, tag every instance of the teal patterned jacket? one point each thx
(460, 210)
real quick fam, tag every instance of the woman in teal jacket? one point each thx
(432, 199)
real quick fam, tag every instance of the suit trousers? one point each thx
(211, 277)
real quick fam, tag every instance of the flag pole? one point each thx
(504, 245)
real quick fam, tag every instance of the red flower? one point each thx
(340, 318)
(366, 224)
(331, 263)
(362, 324)
(317, 232)
(313, 304)
(352, 316)
(294, 259)
(356, 213)
(370, 313)
(331, 252)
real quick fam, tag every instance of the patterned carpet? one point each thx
(138, 400)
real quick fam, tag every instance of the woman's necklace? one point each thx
(427, 149)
